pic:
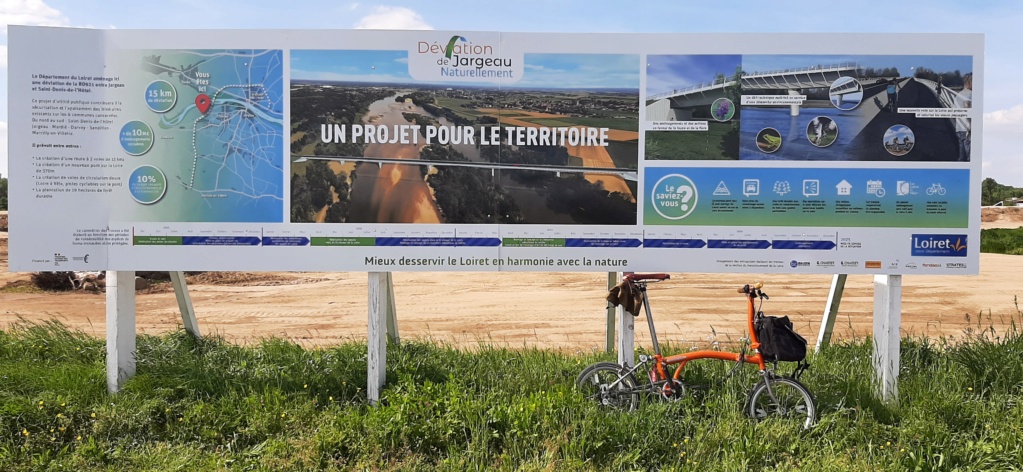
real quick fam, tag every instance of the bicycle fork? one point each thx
(766, 376)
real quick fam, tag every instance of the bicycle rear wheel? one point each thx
(609, 385)
(791, 399)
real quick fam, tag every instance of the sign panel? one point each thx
(432, 150)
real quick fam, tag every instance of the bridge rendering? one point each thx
(797, 79)
(678, 104)
(626, 174)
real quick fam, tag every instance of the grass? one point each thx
(689, 145)
(209, 405)
(1002, 241)
(625, 124)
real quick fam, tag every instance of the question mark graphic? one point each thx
(674, 196)
(686, 193)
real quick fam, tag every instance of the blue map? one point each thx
(221, 145)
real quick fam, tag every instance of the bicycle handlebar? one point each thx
(746, 288)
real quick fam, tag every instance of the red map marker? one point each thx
(203, 102)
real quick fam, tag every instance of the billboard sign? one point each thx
(434, 150)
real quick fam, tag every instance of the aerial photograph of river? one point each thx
(575, 163)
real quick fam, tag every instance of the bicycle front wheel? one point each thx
(786, 398)
(609, 385)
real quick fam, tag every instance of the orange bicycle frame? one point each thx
(752, 292)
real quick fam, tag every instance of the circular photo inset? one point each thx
(822, 131)
(846, 93)
(722, 109)
(899, 140)
(769, 140)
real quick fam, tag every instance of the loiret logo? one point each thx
(872, 264)
(939, 245)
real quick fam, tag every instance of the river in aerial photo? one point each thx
(391, 193)
(394, 193)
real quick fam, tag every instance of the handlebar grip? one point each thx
(746, 288)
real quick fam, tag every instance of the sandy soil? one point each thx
(557, 310)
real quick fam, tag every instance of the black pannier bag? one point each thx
(778, 341)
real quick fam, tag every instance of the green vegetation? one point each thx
(467, 195)
(456, 106)
(3, 193)
(315, 105)
(992, 192)
(681, 145)
(418, 119)
(626, 124)
(208, 405)
(1002, 241)
(315, 186)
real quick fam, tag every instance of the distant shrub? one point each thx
(54, 281)
(1002, 241)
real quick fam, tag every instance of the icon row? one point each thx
(812, 188)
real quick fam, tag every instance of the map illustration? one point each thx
(209, 135)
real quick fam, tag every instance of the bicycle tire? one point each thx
(595, 383)
(794, 401)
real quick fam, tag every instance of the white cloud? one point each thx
(30, 12)
(391, 18)
(3, 56)
(1011, 117)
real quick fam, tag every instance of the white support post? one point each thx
(376, 359)
(830, 311)
(794, 108)
(626, 337)
(185, 303)
(887, 321)
(120, 328)
(392, 311)
(612, 311)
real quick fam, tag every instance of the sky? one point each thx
(578, 71)
(998, 20)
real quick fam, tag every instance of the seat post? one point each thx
(650, 319)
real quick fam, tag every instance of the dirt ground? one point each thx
(549, 310)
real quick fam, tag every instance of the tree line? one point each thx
(992, 192)
(3, 193)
